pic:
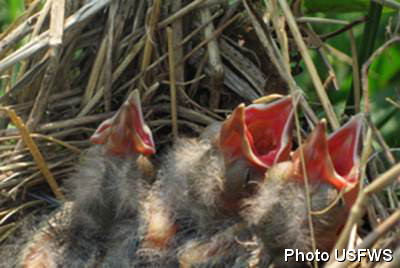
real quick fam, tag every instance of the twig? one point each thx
(37, 156)
(187, 82)
(321, 20)
(337, 53)
(244, 66)
(386, 149)
(56, 29)
(211, 37)
(45, 87)
(116, 74)
(358, 209)
(163, 57)
(31, 48)
(8, 213)
(365, 68)
(16, 35)
(364, 79)
(382, 229)
(55, 40)
(184, 112)
(25, 80)
(56, 141)
(148, 46)
(171, 61)
(48, 138)
(330, 114)
(63, 123)
(307, 187)
(356, 73)
(21, 19)
(368, 241)
(273, 52)
(95, 73)
(140, 13)
(214, 60)
(193, 88)
(177, 29)
(394, 103)
(279, 23)
(42, 41)
(342, 30)
(108, 66)
(321, 51)
(182, 12)
(38, 26)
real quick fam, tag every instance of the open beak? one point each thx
(260, 133)
(334, 160)
(126, 131)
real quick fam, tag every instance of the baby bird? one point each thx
(279, 211)
(99, 225)
(202, 182)
(113, 220)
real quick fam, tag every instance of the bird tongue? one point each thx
(126, 131)
(259, 133)
(334, 160)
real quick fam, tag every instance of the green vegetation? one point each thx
(9, 11)
(384, 73)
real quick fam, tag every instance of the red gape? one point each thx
(334, 160)
(126, 131)
(279, 209)
(259, 133)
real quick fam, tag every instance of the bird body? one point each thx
(279, 212)
(100, 225)
(234, 197)
(205, 180)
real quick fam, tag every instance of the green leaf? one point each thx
(339, 6)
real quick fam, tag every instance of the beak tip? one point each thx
(319, 133)
(126, 132)
(134, 96)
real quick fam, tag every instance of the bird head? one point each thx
(334, 160)
(126, 132)
(279, 210)
(253, 139)
(258, 133)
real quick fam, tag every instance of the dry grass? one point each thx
(68, 64)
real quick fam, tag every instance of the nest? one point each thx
(68, 65)
(186, 61)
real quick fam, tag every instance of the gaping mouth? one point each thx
(126, 131)
(334, 160)
(260, 132)
(345, 149)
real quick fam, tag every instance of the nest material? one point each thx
(68, 65)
